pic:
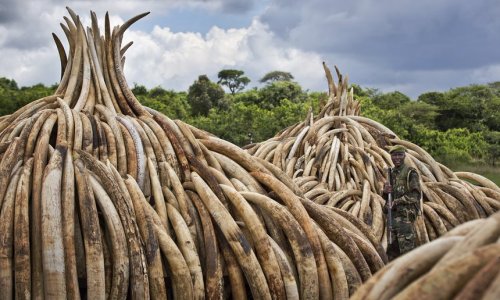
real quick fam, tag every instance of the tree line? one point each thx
(462, 124)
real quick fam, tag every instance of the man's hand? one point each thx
(387, 188)
(388, 207)
(394, 203)
(399, 201)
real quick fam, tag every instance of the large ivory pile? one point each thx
(101, 197)
(339, 159)
(462, 264)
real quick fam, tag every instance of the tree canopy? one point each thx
(203, 94)
(276, 76)
(233, 79)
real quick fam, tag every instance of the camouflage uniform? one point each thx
(406, 207)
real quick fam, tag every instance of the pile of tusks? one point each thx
(340, 159)
(101, 197)
(462, 264)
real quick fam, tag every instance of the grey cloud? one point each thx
(401, 35)
(28, 24)
(32, 22)
(411, 82)
(410, 46)
(9, 11)
(236, 6)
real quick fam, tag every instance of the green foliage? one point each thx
(316, 101)
(433, 98)
(273, 94)
(364, 92)
(235, 123)
(12, 98)
(358, 91)
(233, 79)
(203, 95)
(461, 125)
(420, 113)
(139, 90)
(457, 144)
(391, 118)
(276, 76)
(170, 103)
(8, 84)
(474, 107)
(288, 113)
(491, 114)
(390, 100)
(416, 121)
(248, 97)
(493, 152)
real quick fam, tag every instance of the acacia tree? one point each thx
(276, 76)
(233, 79)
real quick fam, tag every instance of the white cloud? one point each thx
(174, 60)
(410, 46)
(29, 67)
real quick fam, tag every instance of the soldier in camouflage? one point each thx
(405, 188)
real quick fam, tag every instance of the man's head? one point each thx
(398, 154)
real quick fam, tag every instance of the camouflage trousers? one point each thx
(404, 233)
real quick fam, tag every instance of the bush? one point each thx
(454, 145)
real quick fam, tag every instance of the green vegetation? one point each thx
(460, 127)
(12, 97)
(233, 79)
(276, 76)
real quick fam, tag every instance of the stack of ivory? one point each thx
(339, 159)
(101, 197)
(462, 264)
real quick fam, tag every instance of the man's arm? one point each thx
(414, 186)
(385, 195)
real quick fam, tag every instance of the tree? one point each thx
(420, 113)
(139, 89)
(390, 100)
(12, 98)
(358, 91)
(157, 92)
(495, 86)
(492, 114)
(434, 98)
(247, 97)
(468, 107)
(392, 118)
(170, 103)
(8, 84)
(203, 95)
(364, 92)
(276, 76)
(235, 123)
(273, 94)
(233, 79)
(493, 140)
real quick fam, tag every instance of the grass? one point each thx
(490, 172)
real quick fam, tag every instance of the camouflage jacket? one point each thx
(406, 188)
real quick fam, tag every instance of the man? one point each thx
(405, 188)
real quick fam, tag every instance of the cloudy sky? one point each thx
(405, 45)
